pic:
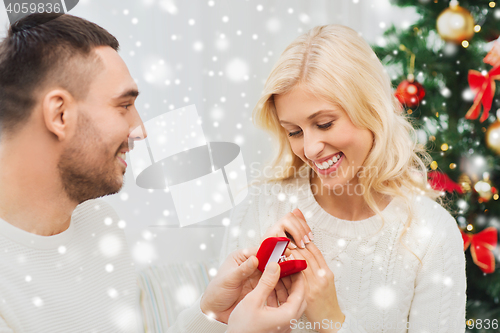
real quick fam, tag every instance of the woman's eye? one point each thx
(323, 126)
(327, 125)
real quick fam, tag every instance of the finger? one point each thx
(296, 296)
(312, 263)
(318, 255)
(295, 228)
(248, 252)
(307, 282)
(281, 292)
(267, 283)
(243, 271)
(310, 273)
(297, 212)
(287, 282)
(272, 300)
(291, 245)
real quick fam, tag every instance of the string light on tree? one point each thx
(464, 182)
(483, 188)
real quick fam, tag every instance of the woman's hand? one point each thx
(321, 295)
(294, 224)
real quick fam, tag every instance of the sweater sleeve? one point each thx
(439, 299)
(193, 320)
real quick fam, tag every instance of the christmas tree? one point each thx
(444, 67)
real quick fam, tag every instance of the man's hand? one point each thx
(237, 276)
(252, 315)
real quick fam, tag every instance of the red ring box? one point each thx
(272, 249)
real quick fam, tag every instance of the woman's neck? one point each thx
(345, 204)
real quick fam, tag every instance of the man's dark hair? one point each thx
(46, 49)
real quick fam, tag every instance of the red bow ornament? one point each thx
(441, 182)
(482, 244)
(484, 86)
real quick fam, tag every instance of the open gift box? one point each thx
(272, 249)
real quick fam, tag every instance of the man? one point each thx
(67, 117)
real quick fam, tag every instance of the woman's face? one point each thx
(320, 132)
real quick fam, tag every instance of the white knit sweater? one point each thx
(380, 285)
(80, 280)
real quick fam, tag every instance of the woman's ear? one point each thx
(58, 112)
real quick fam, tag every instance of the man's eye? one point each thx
(126, 106)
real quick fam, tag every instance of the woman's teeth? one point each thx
(328, 163)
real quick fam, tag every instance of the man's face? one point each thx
(93, 164)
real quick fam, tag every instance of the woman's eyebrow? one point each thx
(315, 114)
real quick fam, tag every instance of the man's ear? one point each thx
(58, 110)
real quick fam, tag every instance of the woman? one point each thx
(385, 256)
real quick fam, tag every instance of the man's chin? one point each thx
(109, 191)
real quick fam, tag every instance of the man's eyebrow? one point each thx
(129, 93)
(315, 114)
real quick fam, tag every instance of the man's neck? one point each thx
(31, 193)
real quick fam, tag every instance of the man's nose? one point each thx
(137, 129)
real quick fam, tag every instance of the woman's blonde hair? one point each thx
(336, 64)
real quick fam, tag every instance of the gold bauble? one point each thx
(483, 188)
(492, 137)
(464, 182)
(455, 24)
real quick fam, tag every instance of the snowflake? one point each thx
(236, 70)
(186, 295)
(384, 297)
(144, 252)
(110, 245)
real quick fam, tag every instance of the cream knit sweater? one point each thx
(381, 286)
(80, 280)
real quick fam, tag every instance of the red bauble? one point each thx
(410, 93)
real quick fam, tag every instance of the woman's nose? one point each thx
(313, 145)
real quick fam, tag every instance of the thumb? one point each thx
(267, 282)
